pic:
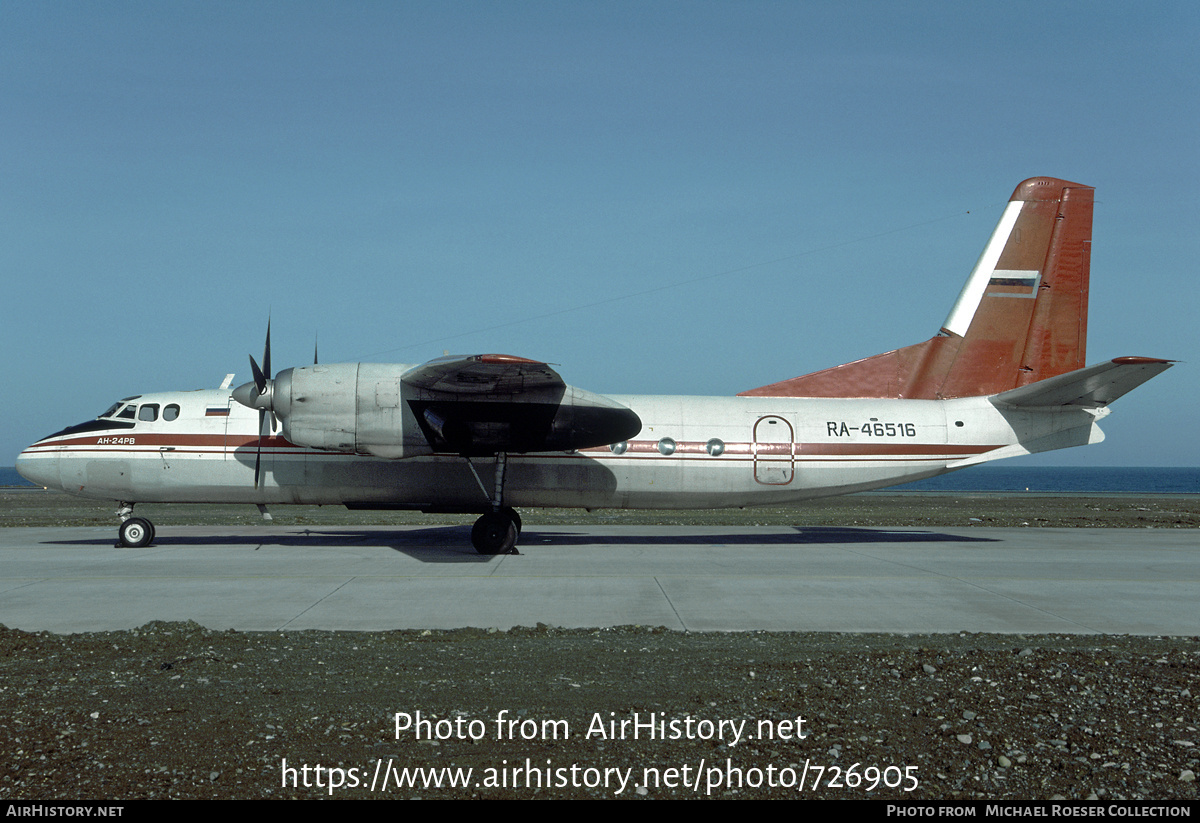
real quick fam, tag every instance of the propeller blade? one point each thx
(314, 349)
(260, 379)
(258, 447)
(267, 352)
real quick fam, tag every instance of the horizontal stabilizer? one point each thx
(1090, 387)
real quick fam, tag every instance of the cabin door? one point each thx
(774, 464)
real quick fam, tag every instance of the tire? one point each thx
(516, 518)
(135, 533)
(494, 533)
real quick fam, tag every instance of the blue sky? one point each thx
(662, 198)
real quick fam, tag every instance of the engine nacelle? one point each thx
(354, 408)
(368, 408)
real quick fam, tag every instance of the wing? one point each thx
(483, 374)
(487, 403)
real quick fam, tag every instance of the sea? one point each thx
(1040, 479)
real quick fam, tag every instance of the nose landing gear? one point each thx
(134, 532)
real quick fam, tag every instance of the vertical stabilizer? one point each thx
(1021, 317)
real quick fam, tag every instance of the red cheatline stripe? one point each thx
(888, 448)
(215, 444)
(809, 449)
(175, 440)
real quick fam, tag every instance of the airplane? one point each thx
(490, 433)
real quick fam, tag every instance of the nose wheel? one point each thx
(135, 533)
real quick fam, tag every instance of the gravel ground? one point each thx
(180, 711)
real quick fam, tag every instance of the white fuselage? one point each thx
(692, 452)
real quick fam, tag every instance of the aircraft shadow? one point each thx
(438, 544)
(452, 544)
(801, 535)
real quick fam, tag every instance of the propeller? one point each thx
(259, 395)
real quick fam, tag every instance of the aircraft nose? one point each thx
(39, 467)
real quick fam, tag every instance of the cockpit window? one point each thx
(171, 412)
(127, 413)
(148, 412)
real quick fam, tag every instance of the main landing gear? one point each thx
(495, 532)
(134, 532)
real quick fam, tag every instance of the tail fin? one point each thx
(1021, 317)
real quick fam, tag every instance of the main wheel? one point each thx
(494, 533)
(516, 518)
(135, 533)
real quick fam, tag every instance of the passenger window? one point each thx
(148, 412)
(171, 412)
